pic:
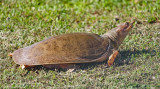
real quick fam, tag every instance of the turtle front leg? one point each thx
(112, 57)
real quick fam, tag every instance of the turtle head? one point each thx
(118, 34)
(122, 31)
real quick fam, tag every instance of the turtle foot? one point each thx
(112, 58)
(26, 66)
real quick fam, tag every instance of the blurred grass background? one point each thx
(24, 22)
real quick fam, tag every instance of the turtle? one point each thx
(66, 50)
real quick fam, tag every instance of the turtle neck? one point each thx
(113, 36)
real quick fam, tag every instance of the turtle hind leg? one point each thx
(112, 57)
(69, 67)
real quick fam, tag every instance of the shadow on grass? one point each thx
(121, 60)
(127, 54)
(124, 59)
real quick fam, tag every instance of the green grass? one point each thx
(24, 22)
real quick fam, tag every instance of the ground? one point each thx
(24, 22)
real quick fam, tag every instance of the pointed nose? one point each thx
(130, 25)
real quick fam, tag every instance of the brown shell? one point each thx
(67, 48)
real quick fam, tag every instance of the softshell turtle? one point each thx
(65, 50)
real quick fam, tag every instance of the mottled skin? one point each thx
(73, 48)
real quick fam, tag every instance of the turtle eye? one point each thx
(127, 23)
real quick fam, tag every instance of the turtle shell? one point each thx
(67, 48)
